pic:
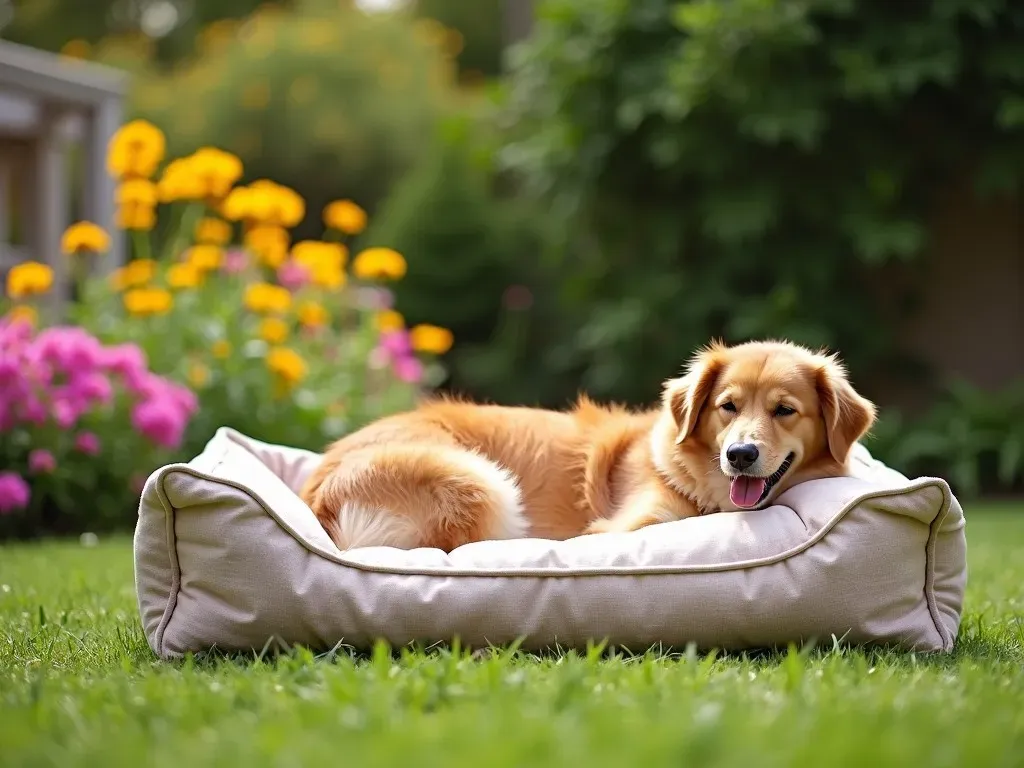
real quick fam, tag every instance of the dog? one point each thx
(739, 427)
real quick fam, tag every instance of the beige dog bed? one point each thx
(227, 556)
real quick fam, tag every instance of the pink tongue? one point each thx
(745, 491)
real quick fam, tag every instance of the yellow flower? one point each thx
(379, 263)
(236, 205)
(431, 339)
(221, 349)
(198, 375)
(23, 313)
(135, 149)
(328, 275)
(179, 182)
(205, 257)
(313, 315)
(185, 275)
(265, 202)
(310, 253)
(206, 174)
(141, 192)
(287, 364)
(29, 278)
(268, 243)
(267, 298)
(273, 330)
(345, 216)
(134, 273)
(148, 301)
(324, 261)
(138, 217)
(213, 231)
(389, 320)
(215, 169)
(84, 237)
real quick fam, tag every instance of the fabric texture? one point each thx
(227, 556)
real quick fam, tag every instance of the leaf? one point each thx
(1011, 460)
(964, 474)
(1010, 112)
(695, 17)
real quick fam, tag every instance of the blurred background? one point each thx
(587, 190)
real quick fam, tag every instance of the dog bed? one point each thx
(228, 557)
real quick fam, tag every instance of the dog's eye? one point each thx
(729, 407)
(784, 410)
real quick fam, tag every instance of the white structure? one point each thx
(48, 105)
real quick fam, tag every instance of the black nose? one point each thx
(741, 455)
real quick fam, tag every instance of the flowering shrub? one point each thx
(64, 399)
(221, 321)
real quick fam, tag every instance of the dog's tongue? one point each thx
(745, 491)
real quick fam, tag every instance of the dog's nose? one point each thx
(741, 455)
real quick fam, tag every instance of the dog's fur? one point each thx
(448, 472)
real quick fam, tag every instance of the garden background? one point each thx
(331, 208)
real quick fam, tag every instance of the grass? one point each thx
(79, 686)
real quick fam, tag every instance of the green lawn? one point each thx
(79, 686)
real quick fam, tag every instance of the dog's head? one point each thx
(749, 421)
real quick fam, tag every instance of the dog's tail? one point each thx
(409, 496)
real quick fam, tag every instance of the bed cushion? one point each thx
(227, 556)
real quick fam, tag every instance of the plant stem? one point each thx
(140, 240)
(189, 218)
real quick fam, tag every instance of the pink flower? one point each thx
(396, 343)
(71, 349)
(41, 461)
(87, 443)
(14, 331)
(160, 420)
(34, 411)
(14, 492)
(409, 369)
(9, 368)
(90, 388)
(65, 414)
(292, 275)
(127, 361)
(235, 261)
(153, 387)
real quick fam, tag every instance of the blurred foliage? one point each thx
(745, 169)
(336, 104)
(473, 264)
(169, 30)
(971, 437)
(478, 24)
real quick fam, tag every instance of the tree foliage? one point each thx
(338, 105)
(174, 26)
(746, 168)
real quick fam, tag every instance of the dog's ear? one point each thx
(848, 416)
(685, 396)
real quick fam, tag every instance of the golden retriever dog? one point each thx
(743, 424)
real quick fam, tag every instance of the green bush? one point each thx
(474, 256)
(479, 48)
(972, 437)
(333, 104)
(744, 169)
